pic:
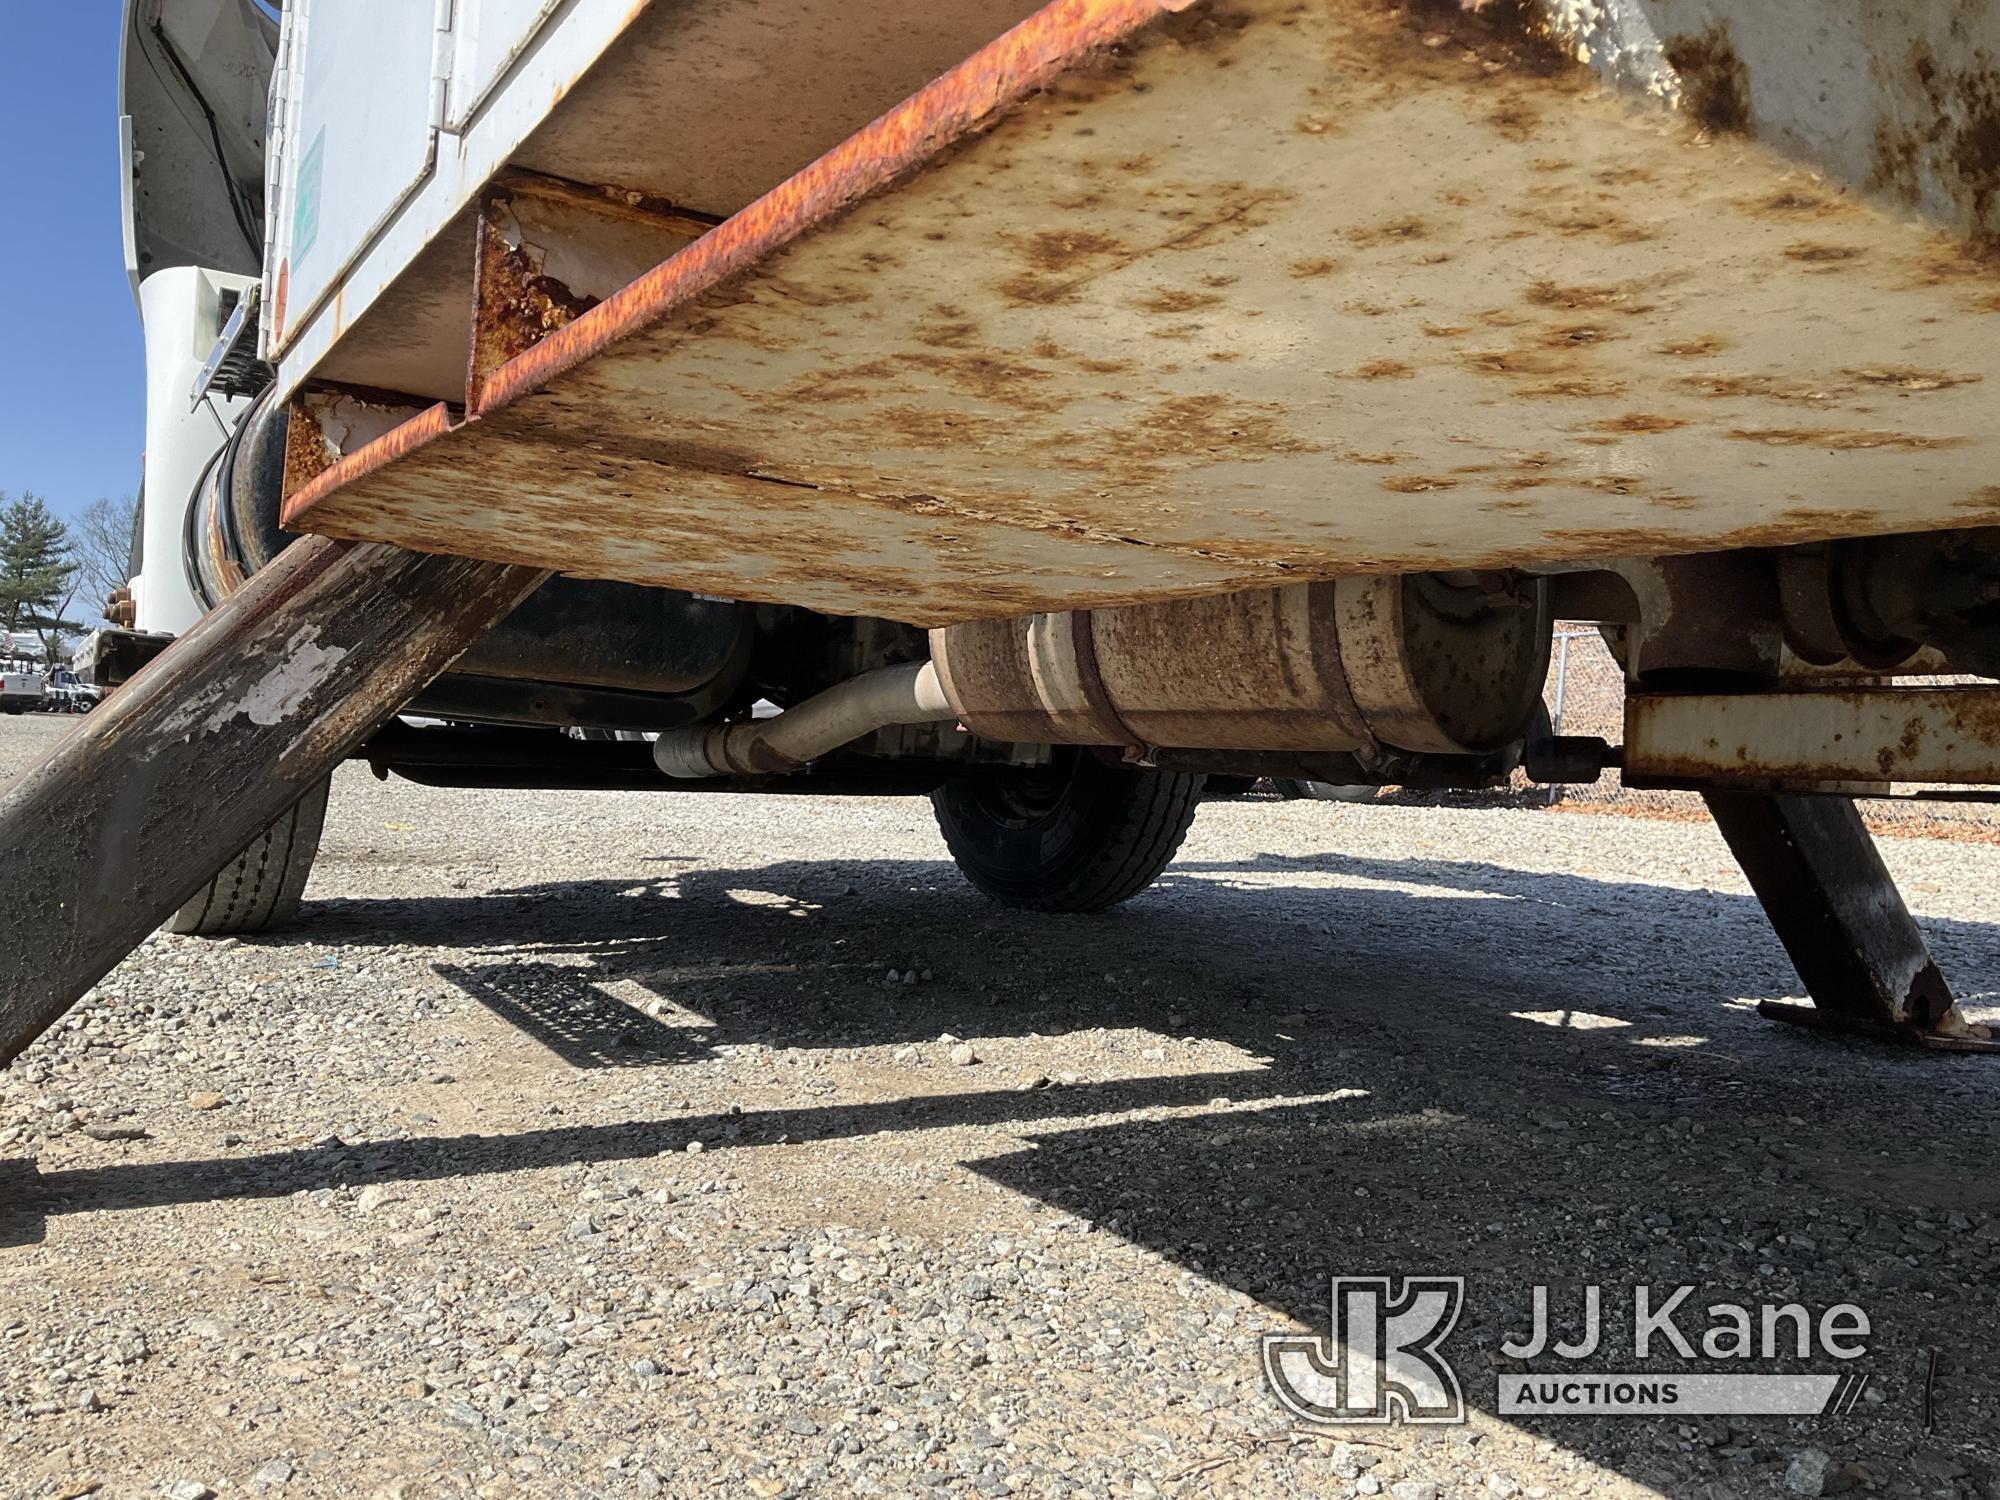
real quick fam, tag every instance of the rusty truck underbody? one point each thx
(1145, 301)
(1166, 387)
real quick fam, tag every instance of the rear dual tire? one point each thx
(1076, 835)
(261, 889)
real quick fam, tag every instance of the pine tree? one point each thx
(35, 563)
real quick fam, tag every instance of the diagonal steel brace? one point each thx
(141, 805)
(1821, 881)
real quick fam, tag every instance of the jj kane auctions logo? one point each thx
(1382, 1359)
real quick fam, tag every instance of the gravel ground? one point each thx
(697, 1144)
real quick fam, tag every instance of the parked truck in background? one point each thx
(21, 689)
(65, 692)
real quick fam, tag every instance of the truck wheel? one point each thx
(1075, 835)
(259, 890)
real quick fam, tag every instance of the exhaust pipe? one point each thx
(907, 694)
(1430, 664)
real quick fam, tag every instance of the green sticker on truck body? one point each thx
(305, 210)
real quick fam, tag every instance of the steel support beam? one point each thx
(1821, 881)
(150, 796)
(1853, 740)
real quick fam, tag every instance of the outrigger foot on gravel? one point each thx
(1835, 906)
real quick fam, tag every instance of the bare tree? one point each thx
(103, 540)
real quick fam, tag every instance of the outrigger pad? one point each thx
(1817, 874)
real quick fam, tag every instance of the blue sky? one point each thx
(72, 372)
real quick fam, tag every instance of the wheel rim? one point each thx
(1027, 798)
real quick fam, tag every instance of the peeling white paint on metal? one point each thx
(305, 667)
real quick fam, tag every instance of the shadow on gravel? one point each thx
(21, 1205)
(1449, 1068)
(1646, 962)
(577, 1021)
(1277, 1201)
(27, 1195)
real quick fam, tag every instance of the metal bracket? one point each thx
(1821, 881)
(1845, 739)
(1812, 1017)
(442, 60)
(231, 369)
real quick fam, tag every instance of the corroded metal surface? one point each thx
(1349, 665)
(1858, 740)
(514, 305)
(1264, 670)
(1258, 292)
(548, 251)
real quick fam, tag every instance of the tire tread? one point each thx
(1149, 815)
(263, 887)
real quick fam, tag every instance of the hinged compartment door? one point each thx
(359, 139)
(487, 36)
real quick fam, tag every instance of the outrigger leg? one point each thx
(1836, 908)
(181, 768)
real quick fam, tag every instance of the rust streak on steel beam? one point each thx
(379, 454)
(944, 111)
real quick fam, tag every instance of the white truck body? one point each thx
(20, 691)
(184, 309)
